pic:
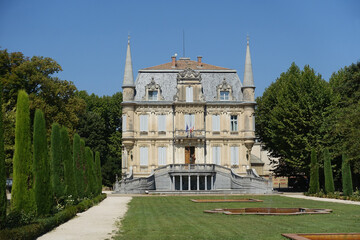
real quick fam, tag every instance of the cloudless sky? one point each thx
(88, 38)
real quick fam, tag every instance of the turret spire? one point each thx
(248, 74)
(128, 73)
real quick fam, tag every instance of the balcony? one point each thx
(195, 134)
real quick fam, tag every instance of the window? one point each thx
(144, 123)
(124, 123)
(162, 156)
(189, 121)
(216, 123)
(234, 155)
(233, 123)
(224, 95)
(189, 94)
(216, 154)
(161, 123)
(143, 156)
(153, 95)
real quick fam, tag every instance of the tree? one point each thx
(346, 177)
(344, 117)
(56, 98)
(3, 198)
(98, 173)
(89, 170)
(41, 167)
(56, 164)
(84, 166)
(22, 197)
(314, 173)
(78, 166)
(329, 181)
(67, 159)
(289, 119)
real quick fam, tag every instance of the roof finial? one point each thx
(129, 38)
(247, 39)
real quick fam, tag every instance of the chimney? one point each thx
(173, 62)
(199, 64)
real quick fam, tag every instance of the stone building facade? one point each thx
(190, 116)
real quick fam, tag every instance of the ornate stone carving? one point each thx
(188, 74)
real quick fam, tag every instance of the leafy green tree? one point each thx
(98, 173)
(346, 177)
(89, 170)
(101, 128)
(3, 198)
(56, 164)
(78, 166)
(56, 98)
(41, 167)
(344, 120)
(69, 177)
(329, 181)
(22, 196)
(289, 119)
(314, 186)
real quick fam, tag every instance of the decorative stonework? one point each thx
(153, 86)
(189, 74)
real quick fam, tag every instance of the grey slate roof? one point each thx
(167, 81)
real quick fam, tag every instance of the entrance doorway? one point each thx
(190, 155)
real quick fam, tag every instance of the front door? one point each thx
(189, 155)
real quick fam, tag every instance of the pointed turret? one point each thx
(128, 73)
(248, 88)
(128, 82)
(248, 74)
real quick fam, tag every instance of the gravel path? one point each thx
(94, 224)
(321, 199)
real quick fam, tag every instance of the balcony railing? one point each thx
(189, 134)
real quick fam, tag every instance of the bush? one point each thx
(44, 225)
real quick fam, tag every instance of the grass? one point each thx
(176, 217)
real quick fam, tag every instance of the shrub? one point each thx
(329, 181)
(22, 197)
(41, 167)
(346, 177)
(314, 173)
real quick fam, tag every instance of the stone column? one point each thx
(189, 183)
(212, 183)
(197, 182)
(205, 182)
(181, 186)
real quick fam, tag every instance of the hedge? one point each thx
(44, 225)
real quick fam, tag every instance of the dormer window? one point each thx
(224, 95)
(224, 92)
(153, 95)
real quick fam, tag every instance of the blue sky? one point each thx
(88, 38)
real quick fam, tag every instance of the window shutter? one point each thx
(216, 155)
(189, 94)
(216, 123)
(161, 123)
(192, 123)
(124, 123)
(162, 156)
(144, 123)
(143, 156)
(234, 152)
(187, 117)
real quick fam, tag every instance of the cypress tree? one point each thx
(329, 181)
(22, 197)
(69, 177)
(89, 171)
(346, 177)
(314, 173)
(84, 164)
(78, 166)
(56, 164)
(3, 199)
(98, 173)
(41, 166)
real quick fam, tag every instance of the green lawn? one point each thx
(176, 217)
